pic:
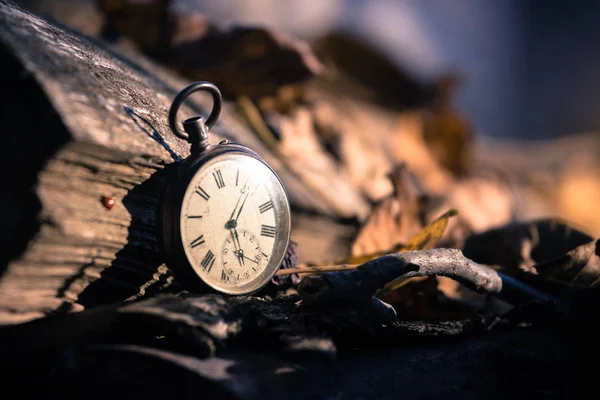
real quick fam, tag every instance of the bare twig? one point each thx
(357, 285)
(317, 270)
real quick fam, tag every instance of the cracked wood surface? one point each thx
(93, 123)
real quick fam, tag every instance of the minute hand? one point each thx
(242, 206)
(232, 222)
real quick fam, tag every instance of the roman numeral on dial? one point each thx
(268, 231)
(197, 242)
(202, 193)
(208, 261)
(265, 207)
(224, 276)
(219, 179)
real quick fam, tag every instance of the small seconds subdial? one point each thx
(242, 256)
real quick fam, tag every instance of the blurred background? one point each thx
(529, 69)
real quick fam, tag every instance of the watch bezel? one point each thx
(170, 225)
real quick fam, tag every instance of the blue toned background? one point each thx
(531, 68)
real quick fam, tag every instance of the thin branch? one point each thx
(316, 270)
(357, 285)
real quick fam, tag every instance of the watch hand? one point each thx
(231, 223)
(239, 246)
(242, 206)
(248, 258)
(236, 206)
(235, 246)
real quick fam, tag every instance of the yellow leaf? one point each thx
(431, 234)
(425, 239)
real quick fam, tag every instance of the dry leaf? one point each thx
(431, 234)
(425, 239)
(254, 62)
(142, 22)
(448, 134)
(251, 61)
(303, 153)
(408, 145)
(351, 132)
(484, 202)
(395, 220)
(578, 268)
(381, 80)
(524, 244)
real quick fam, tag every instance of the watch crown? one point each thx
(198, 133)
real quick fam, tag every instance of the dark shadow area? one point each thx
(31, 133)
(135, 270)
(151, 131)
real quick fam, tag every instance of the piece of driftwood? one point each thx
(85, 124)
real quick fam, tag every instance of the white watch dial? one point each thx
(235, 223)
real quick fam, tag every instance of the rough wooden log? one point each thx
(86, 122)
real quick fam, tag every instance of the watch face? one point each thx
(235, 223)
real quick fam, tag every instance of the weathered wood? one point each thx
(84, 121)
(260, 348)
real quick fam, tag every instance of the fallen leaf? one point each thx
(381, 80)
(245, 61)
(485, 202)
(431, 234)
(425, 239)
(521, 245)
(250, 61)
(299, 147)
(446, 132)
(142, 22)
(578, 268)
(395, 220)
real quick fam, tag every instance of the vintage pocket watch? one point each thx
(224, 215)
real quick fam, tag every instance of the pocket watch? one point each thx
(224, 215)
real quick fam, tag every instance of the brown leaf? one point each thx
(395, 220)
(578, 268)
(431, 234)
(304, 154)
(485, 202)
(447, 133)
(382, 81)
(522, 245)
(251, 61)
(144, 23)
(424, 240)
(254, 62)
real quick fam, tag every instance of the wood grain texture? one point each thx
(87, 121)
